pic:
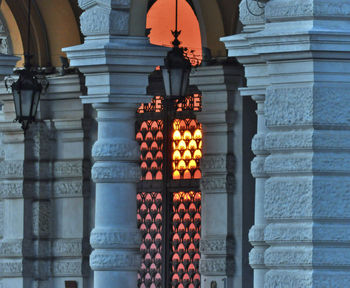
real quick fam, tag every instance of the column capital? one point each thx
(116, 71)
(105, 17)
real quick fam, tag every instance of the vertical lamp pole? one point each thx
(176, 72)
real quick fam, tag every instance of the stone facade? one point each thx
(68, 185)
(45, 192)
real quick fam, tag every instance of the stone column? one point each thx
(257, 80)
(16, 246)
(306, 195)
(72, 130)
(221, 243)
(116, 67)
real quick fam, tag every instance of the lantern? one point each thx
(176, 73)
(27, 89)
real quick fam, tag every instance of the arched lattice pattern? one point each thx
(185, 214)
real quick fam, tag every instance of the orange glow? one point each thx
(187, 135)
(197, 154)
(176, 175)
(197, 134)
(186, 139)
(182, 145)
(177, 135)
(192, 145)
(192, 165)
(177, 155)
(187, 155)
(161, 19)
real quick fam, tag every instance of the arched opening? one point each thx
(161, 21)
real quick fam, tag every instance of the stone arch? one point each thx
(54, 25)
(208, 14)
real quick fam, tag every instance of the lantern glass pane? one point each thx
(166, 81)
(26, 99)
(176, 82)
(36, 100)
(17, 100)
(186, 77)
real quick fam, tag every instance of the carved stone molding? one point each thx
(217, 246)
(70, 188)
(9, 190)
(15, 248)
(114, 260)
(68, 267)
(100, 238)
(307, 8)
(11, 169)
(100, 21)
(217, 266)
(72, 168)
(217, 162)
(118, 151)
(213, 185)
(10, 268)
(116, 172)
(69, 247)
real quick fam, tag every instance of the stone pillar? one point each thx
(72, 130)
(257, 80)
(221, 243)
(306, 195)
(256, 233)
(116, 67)
(15, 225)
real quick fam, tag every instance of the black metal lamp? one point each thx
(176, 69)
(26, 95)
(27, 89)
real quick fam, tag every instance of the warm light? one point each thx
(187, 174)
(192, 145)
(182, 165)
(187, 135)
(193, 164)
(182, 145)
(177, 135)
(177, 155)
(197, 134)
(187, 155)
(185, 144)
(197, 154)
(176, 125)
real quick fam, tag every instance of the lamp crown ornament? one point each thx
(177, 67)
(28, 87)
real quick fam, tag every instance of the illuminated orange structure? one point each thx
(170, 241)
(187, 144)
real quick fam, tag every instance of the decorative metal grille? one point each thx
(185, 241)
(182, 224)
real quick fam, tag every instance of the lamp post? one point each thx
(175, 72)
(27, 89)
